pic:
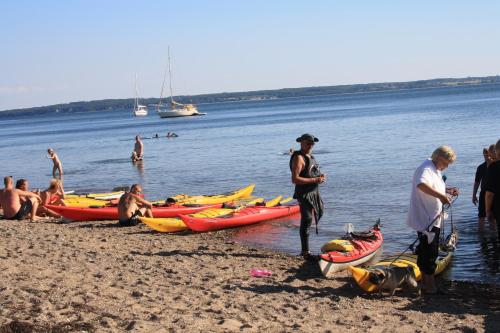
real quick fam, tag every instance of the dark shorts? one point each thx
(133, 220)
(428, 253)
(24, 211)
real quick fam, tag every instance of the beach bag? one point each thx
(342, 245)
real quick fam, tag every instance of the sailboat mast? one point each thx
(162, 88)
(170, 76)
(136, 104)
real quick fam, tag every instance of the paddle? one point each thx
(287, 200)
(274, 202)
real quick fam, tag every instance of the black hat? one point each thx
(307, 137)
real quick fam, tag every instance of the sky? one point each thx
(75, 50)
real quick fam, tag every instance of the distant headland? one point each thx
(127, 103)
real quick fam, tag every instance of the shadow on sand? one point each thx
(200, 252)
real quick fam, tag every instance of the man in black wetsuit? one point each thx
(306, 176)
(492, 198)
(480, 182)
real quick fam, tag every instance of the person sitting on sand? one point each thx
(54, 195)
(10, 202)
(131, 206)
(138, 153)
(57, 163)
(23, 185)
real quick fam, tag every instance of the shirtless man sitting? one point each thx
(10, 201)
(131, 206)
(23, 185)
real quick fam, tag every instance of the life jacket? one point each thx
(311, 170)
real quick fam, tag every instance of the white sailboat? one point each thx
(176, 109)
(139, 110)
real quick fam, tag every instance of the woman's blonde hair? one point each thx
(445, 152)
(54, 183)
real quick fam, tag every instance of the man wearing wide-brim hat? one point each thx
(307, 176)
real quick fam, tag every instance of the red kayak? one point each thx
(365, 246)
(111, 213)
(246, 216)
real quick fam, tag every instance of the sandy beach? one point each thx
(96, 277)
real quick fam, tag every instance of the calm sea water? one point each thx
(369, 146)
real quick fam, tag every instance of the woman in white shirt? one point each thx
(428, 195)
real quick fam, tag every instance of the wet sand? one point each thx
(96, 277)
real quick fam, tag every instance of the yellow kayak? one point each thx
(362, 275)
(101, 199)
(173, 224)
(91, 199)
(77, 201)
(105, 196)
(214, 199)
(176, 224)
(100, 196)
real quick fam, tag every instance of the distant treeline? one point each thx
(128, 103)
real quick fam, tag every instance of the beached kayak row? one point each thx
(111, 198)
(111, 213)
(357, 252)
(182, 212)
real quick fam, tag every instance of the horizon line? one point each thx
(277, 89)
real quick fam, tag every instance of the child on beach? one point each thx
(57, 163)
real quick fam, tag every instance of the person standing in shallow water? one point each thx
(428, 195)
(492, 197)
(307, 176)
(138, 153)
(480, 183)
(57, 163)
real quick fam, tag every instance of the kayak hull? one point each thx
(169, 224)
(111, 213)
(328, 268)
(364, 250)
(245, 216)
(362, 275)
(175, 224)
(77, 201)
(215, 199)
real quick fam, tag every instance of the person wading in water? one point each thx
(306, 176)
(425, 215)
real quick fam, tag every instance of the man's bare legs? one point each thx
(146, 212)
(57, 168)
(34, 207)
